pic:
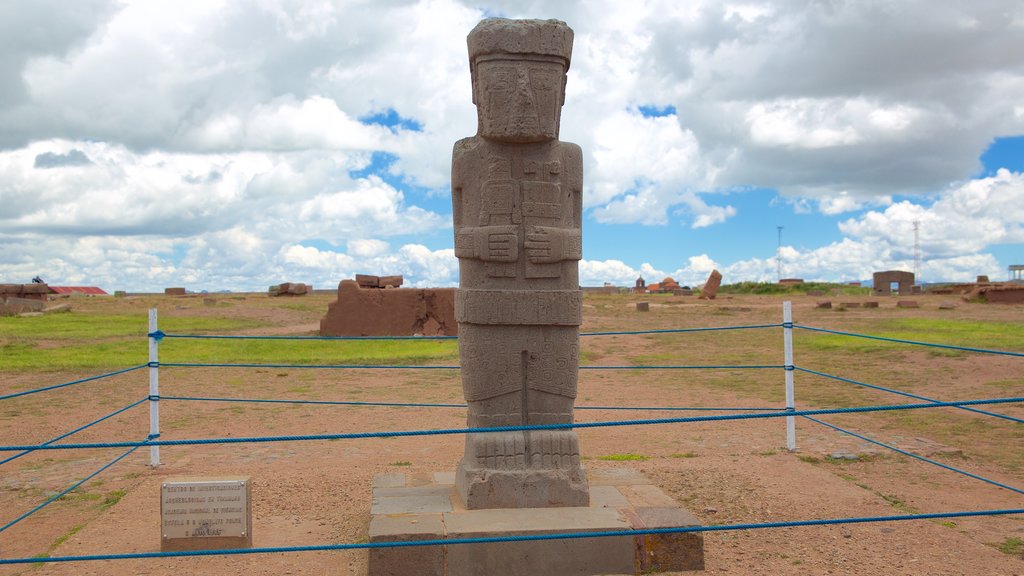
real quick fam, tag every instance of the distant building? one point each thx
(86, 290)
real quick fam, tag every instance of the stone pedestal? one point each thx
(427, 507)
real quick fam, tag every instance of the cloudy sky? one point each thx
(234, 145)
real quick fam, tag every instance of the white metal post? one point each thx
(154, 389)
(787, 338)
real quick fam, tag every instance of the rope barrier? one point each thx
(917, 456)
(907, 394)
(519, 538)
(72, 487)
(568, 426)
(77, 430)
(442, 405)
(446, 367)
(159, 335)
(914, 342)
(90, 379)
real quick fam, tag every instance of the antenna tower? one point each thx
(917, 252)
(778, 255)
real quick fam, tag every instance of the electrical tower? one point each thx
(778, 255)
(917, 252)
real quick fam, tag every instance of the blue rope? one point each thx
(90, 379)
(319, 366)
(518, 538)
(77, 430)
(432, 367)
(680, 330)
(160, 335)
(429, 405)
(907, 394)
(912, 455)
(72, 487)
(567, 426)
(281, 337)
(914, 342)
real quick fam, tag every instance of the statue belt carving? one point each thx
(519, 307)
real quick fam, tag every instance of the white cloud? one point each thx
(224, 131)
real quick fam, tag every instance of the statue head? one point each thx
(518, 69)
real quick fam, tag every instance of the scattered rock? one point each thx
(710, 289)
(177, 291)
(824, 304)
(643, 307)
(907, 304)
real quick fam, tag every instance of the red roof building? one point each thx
(88, 290)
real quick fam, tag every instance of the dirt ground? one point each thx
(318, 492)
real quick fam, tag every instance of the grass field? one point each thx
(107, 334)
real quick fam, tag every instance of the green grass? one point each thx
(624, 457)
(989, 335)
(70, 342)
(764, 288)
(1012, 545)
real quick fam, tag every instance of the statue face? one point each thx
(519, 100)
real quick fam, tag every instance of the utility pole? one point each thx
(778, 255)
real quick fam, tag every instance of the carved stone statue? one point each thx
(517, 203)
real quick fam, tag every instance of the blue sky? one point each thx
(234, 145)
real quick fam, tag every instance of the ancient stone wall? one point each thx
(883, 282)
(396, 312)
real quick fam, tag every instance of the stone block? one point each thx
(367, 281)
(823, 304)
(668, 552)
(22, 305)
(174, 291)
(907, 304)
(398, 312)
(580, 556)
(411, 561)
(621, 500)
(643, 307)
(710, 289)
(391, 281)
(871, 304)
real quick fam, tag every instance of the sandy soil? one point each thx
(318, 492)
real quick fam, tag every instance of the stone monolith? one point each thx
(517, 202)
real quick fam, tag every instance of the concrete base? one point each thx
(427, 507)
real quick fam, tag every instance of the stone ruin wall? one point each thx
(392, 312)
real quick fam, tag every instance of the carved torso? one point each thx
(517, 210)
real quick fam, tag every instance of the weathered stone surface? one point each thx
(850, 305)
(390, 281)
(871, 304)
(399, 312)
(32, 291)
(823, 304)
(367, 281)
(289, 289)
(1005, 294)
(947, 306)
(174, 291)
(643, 307)
(907, 304)
(57, 309)
(621, 500)
(883, 282)
(413, 561)
(517, 208)
(710, 289)
(25, 304)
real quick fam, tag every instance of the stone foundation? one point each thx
(427, 507)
